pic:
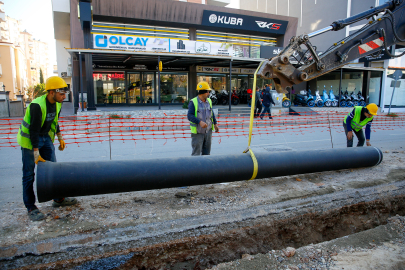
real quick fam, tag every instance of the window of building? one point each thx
(109, 87)
(215, 81)
(399, 94)
(374, 89)
(173, 87)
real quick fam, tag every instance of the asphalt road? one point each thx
(310, 139)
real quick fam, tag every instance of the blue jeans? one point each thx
(359, 134)
(47, 152)
(266, 110)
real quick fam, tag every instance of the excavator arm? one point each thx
(385, 28)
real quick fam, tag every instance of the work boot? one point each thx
(36, 215)
(64, 202)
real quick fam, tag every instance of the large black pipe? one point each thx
(70, 179)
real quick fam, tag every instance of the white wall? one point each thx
(61, 6)
(62, 56)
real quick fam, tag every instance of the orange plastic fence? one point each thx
(88, 129)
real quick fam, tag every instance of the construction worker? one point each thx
(356, 120)
(36, 136)
(202, 121)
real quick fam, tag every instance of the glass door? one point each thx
(148, 88)
(134, 87)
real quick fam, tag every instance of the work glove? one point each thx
(61, 141)
(37, 157)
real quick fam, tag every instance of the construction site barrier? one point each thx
(78, 130)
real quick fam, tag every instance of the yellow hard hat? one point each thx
(55, 82)
(203, 86)
(372, 108)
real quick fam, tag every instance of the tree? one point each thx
(41, 76)
(35, 91)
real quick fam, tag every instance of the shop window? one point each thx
(399, 94)
(173, 87)
(328, 81)
(352, 81)
(109, 87)
(375, 87)
(215, 81)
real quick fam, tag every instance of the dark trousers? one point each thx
(359, 134)
(258, 110)
(266, 110)
(47, 152)
(201, 143)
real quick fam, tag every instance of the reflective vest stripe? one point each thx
(24, 134)
(25, 124)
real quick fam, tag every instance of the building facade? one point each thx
(121, 48)
(22, 57)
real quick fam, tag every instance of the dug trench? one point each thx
(222, 238)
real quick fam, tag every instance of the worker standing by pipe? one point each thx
(36, 136)
(356, 120)
(202, 121)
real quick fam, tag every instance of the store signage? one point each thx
(247, 71)
(370, 58)
(124, 42)
(243, 22)
(110, 76)
(270, 51)
(145, 44)
(234, 70)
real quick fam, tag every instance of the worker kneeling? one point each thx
(356, 120)
(202, 121)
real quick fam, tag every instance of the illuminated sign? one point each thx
(108, 76)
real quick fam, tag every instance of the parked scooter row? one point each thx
(330, 100)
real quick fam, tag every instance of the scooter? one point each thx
(362, 102)
(234, 98)
(304, 100)
(213, 97)
(354, 98)
(286, 102)
(332, 97)
(325, 98)
(318, 99)
(348, 100)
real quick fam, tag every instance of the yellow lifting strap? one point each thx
(252, 112)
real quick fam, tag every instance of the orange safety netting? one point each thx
(93, 128)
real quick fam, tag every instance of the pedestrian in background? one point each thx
(259, 106)
(36, 136)
(267, 101)
(202, 121)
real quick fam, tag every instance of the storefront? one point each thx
(366, 82)
(121, 51)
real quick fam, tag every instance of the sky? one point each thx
(36, 16)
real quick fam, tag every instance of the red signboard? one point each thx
(109, 76)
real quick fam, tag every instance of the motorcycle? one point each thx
(223, 97)
(234, 98)
(362, 102)
(332, 97)
(304, 100)
(213, 97)
(318, 99)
